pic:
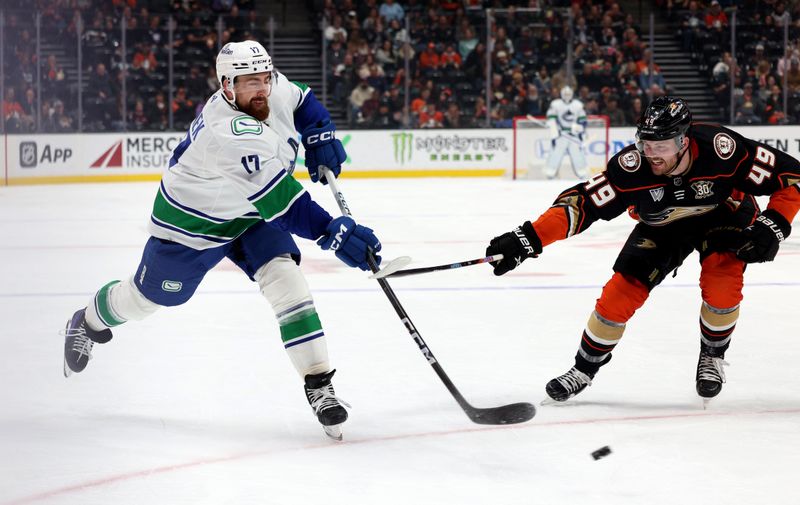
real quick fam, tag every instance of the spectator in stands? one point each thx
(196, 86)
(369, 109)
(780, 15)
(384, 118)
(430, 117)
(418, 103)
(749, 107)
(645, 79)
(376, 78)
(615, 115)
(385, 55)
(359, 95)
(57, 120)
(159, 113)
(475, 65)
(336, 29)
(532, 105)
(450, 58)
(429, 59)
(391, 11)
(144, 59)
(137, 118)
(452, 116)
(182, 108)
(774, 112)
(793, 76)
(13, 115)
(635, 111)
(52, 75)
(467, 42)
(100, 97)
(691, 26)
(715, 17)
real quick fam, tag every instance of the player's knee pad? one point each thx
(118, 302)
(722, 280)
(282, 283)
(621, 298)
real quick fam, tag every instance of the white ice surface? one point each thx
(199, 404)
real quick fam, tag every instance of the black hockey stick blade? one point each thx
(505, 414)
(514, 413)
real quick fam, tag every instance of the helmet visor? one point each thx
(659, 148)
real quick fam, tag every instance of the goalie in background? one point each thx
(567, 122)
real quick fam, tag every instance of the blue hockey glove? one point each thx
(351, 242)
(323, 149)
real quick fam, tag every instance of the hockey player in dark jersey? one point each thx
(691, 186)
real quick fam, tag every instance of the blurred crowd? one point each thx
(374, 46)
(445, 43)
(761, 68)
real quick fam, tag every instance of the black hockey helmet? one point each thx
(665, 118)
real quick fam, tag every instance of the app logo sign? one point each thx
(27, 154)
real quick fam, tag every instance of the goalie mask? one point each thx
(566, 94)
(241, 58)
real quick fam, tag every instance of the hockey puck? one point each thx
(601, 452)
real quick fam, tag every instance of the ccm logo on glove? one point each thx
(320, 137)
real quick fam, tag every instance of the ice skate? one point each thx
(328, 408)
(78, 342)
(710, 375)
(565, 386)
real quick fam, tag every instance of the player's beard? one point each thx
(258, 107)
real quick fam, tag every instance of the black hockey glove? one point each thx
(516, 246)
(763, 237)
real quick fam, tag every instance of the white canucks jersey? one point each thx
(230, 171)
(562, 116)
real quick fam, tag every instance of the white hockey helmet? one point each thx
(241, 58)
(566, 94)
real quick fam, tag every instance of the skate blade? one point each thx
(67, 371)
(706, 403)
(334, 431)
(550, 402)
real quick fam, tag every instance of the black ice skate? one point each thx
(565, 386)
(78, 342)
(710, 375)
(325, 404)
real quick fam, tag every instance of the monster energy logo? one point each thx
(403, 146)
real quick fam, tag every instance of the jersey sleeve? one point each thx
(576, 208)
(307, 110)
(764, 170)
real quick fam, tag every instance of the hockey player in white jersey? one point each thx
(567, 122)
(229, 192)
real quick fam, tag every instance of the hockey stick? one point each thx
(391, 269)
(505, 414)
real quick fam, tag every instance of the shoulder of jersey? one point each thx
(715, 140)
(628, 169)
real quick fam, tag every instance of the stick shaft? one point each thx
(398, 307)
(448, 266)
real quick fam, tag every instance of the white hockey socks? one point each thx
(283, 285)
(116, 303)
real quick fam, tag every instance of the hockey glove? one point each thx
(351, 242)
(323, 149)
(515, 246)
(763, 237)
